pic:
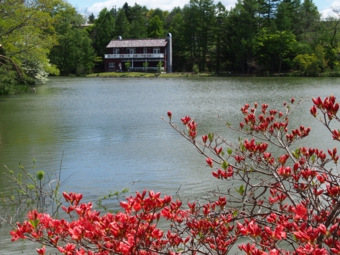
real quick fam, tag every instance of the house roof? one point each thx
(132, 43)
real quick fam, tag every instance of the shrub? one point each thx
(275, 204)
(195, 69)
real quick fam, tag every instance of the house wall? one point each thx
(114, 66)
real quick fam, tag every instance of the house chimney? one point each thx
(169, 52)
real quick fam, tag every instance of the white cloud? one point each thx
(150, 4)
(329, 11)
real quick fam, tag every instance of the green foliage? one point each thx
(31, 189)
(332, 56)
(145, 66)
(138, 28)
(91, 18)
(311, 64)
(122, 25)
(103, 32)
(273, 48)
(195, 69)
(308, 64)
(27, 36)
(155, 27)
(39, 38)
(199, 18)
(74, 53)
(112, 195)
(127, 65)
(240, 190)
(159, 66)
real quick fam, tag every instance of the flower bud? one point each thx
(169, 114)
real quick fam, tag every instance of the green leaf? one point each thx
(224, 165)
(30, 186)
(40, 175)
(240, 190)
(312, 158)
(235, 213)
(210, 137)
(34, 223)
(229, 151)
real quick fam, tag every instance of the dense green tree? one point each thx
(242, 27)
(180, 56)
(138, 10)
(138, 28)
(221, 15)
(155, 27)
(138, 24)
(74, 52)
(103, 32)
(128, 12)
(170, 17)
(267, 12)
(113, 12)
(308, 24)
(287, 15)
(122, 25)
(330, 38)
(273, 49)
(157, 12)
(91, 19)
(199, 20)
(26, 37)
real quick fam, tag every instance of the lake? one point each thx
(106, 134)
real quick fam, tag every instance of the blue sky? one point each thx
(95, 6)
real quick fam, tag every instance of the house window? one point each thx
(156, 50)
(132, 50)
(145, 50)
(115, 51)
(111, 65)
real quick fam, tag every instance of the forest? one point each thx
(50, 37)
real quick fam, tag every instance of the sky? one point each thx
(95, 6)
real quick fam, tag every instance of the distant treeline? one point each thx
(41, 37)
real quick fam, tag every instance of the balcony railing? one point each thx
(118, 56)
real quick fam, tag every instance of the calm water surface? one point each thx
(107, 134)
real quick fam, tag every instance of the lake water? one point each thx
(107, 134)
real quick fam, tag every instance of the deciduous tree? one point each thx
(26, 37)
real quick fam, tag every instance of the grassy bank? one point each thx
(224, 74)
(148, 75)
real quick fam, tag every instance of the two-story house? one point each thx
(137, 52)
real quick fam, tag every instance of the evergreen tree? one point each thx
(103, 32)
(242, 27)
(91, 19)
(307, 29)
(138, 28)
(180, 56)
(274, 48)
(74, 53)
(122, 25)
(287, 16)
(199, 19)
(155, 28)
(267, 11)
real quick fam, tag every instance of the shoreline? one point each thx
(191, 74)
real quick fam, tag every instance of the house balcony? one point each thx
(133, 56)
